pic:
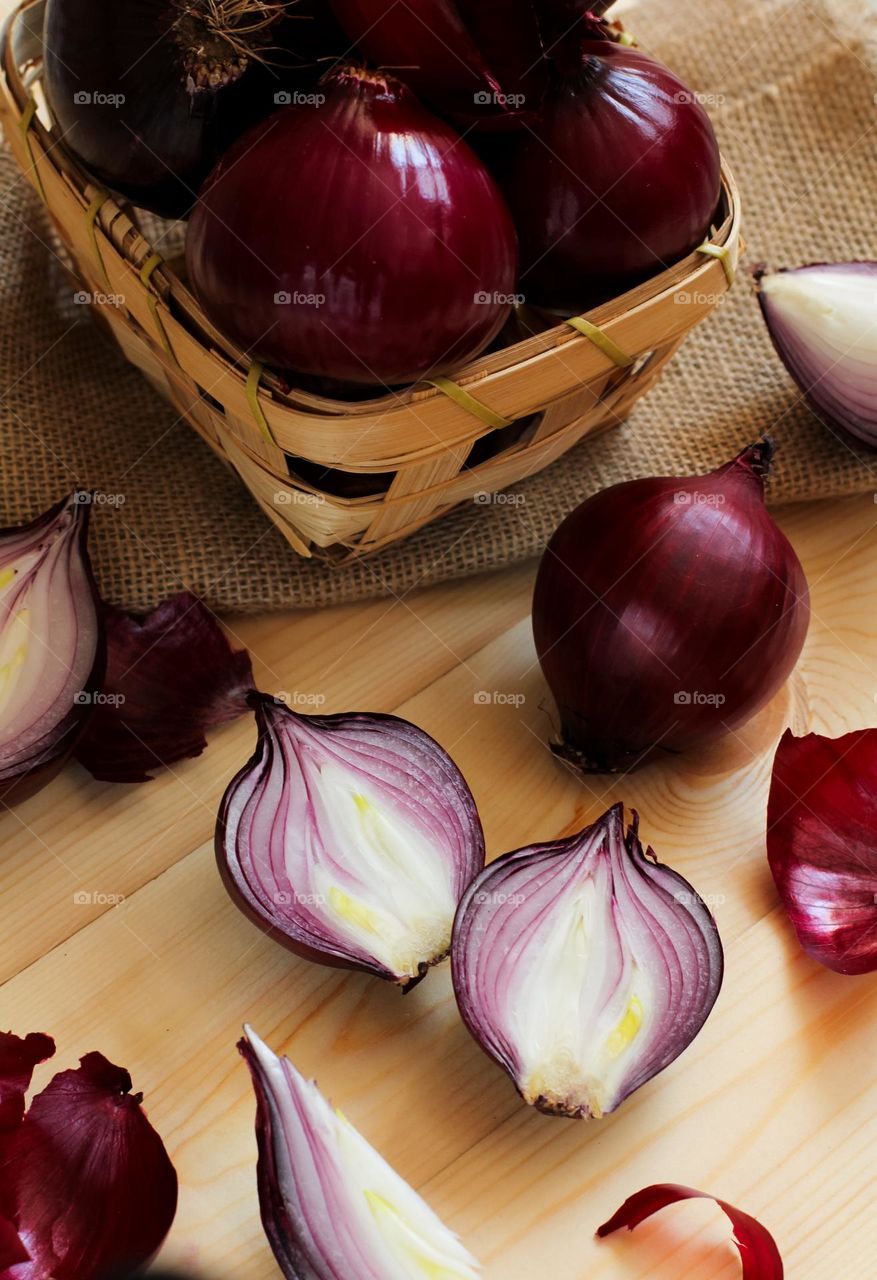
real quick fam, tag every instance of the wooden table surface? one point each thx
(117, 935)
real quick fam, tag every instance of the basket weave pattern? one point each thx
(571, 380)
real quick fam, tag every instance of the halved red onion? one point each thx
(823, 322)
(331, 1205)
(170, 676)
(51, 651)
(584, 967)
(758, 1249)
(352, 837)
(822, 844)
(85, 1182)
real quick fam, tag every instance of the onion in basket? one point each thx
(617, 179)
(148, 93)
(356, 238)
(477, 60)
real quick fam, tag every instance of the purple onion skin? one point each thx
(402, 233)
(157, 146)
(22, 782)
(617, 179)
(822, 845)
(472, 60)
(658, 597)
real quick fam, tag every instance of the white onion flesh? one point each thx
(331, 1205)
(584, 967)
(823, 322)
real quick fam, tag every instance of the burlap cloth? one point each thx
(791, 86)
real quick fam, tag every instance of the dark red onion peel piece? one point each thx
(667, 612)
(352, 837)
(822, 845)
(85, 1182)
(331, 1205)
(758, 1250)
(822, 320)
(51, 649)
(170, 676)
(584, 967)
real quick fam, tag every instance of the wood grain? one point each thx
(773, 1107)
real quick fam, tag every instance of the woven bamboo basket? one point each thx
(426, 448)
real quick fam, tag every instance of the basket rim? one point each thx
(478, 374)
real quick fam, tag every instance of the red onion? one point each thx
(668, 611)
(822, 845)
(148, 93)
(332, 1207)
(352, 837)
(584, 967)
(757, 1247)
(170, 676)
(85, 1182)
(474, 59)
(618, 178)
(358, 239)
(823, 322)
(51, 649)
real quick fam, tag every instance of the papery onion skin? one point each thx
(479, 61)
(158, 142)
(617, 179)
(331, 1205)
(169, 677)
(85, 1181)
(757, 1247)
(628, 923)
(47, 579)
(401, 262)
(822, 320)
(273, 811)
(18, 1057)
(822, 845)
(667, 612)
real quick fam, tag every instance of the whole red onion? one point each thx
(355, 238)
(150, 92)
(477, 60)
(667, 611)
(618, 178)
